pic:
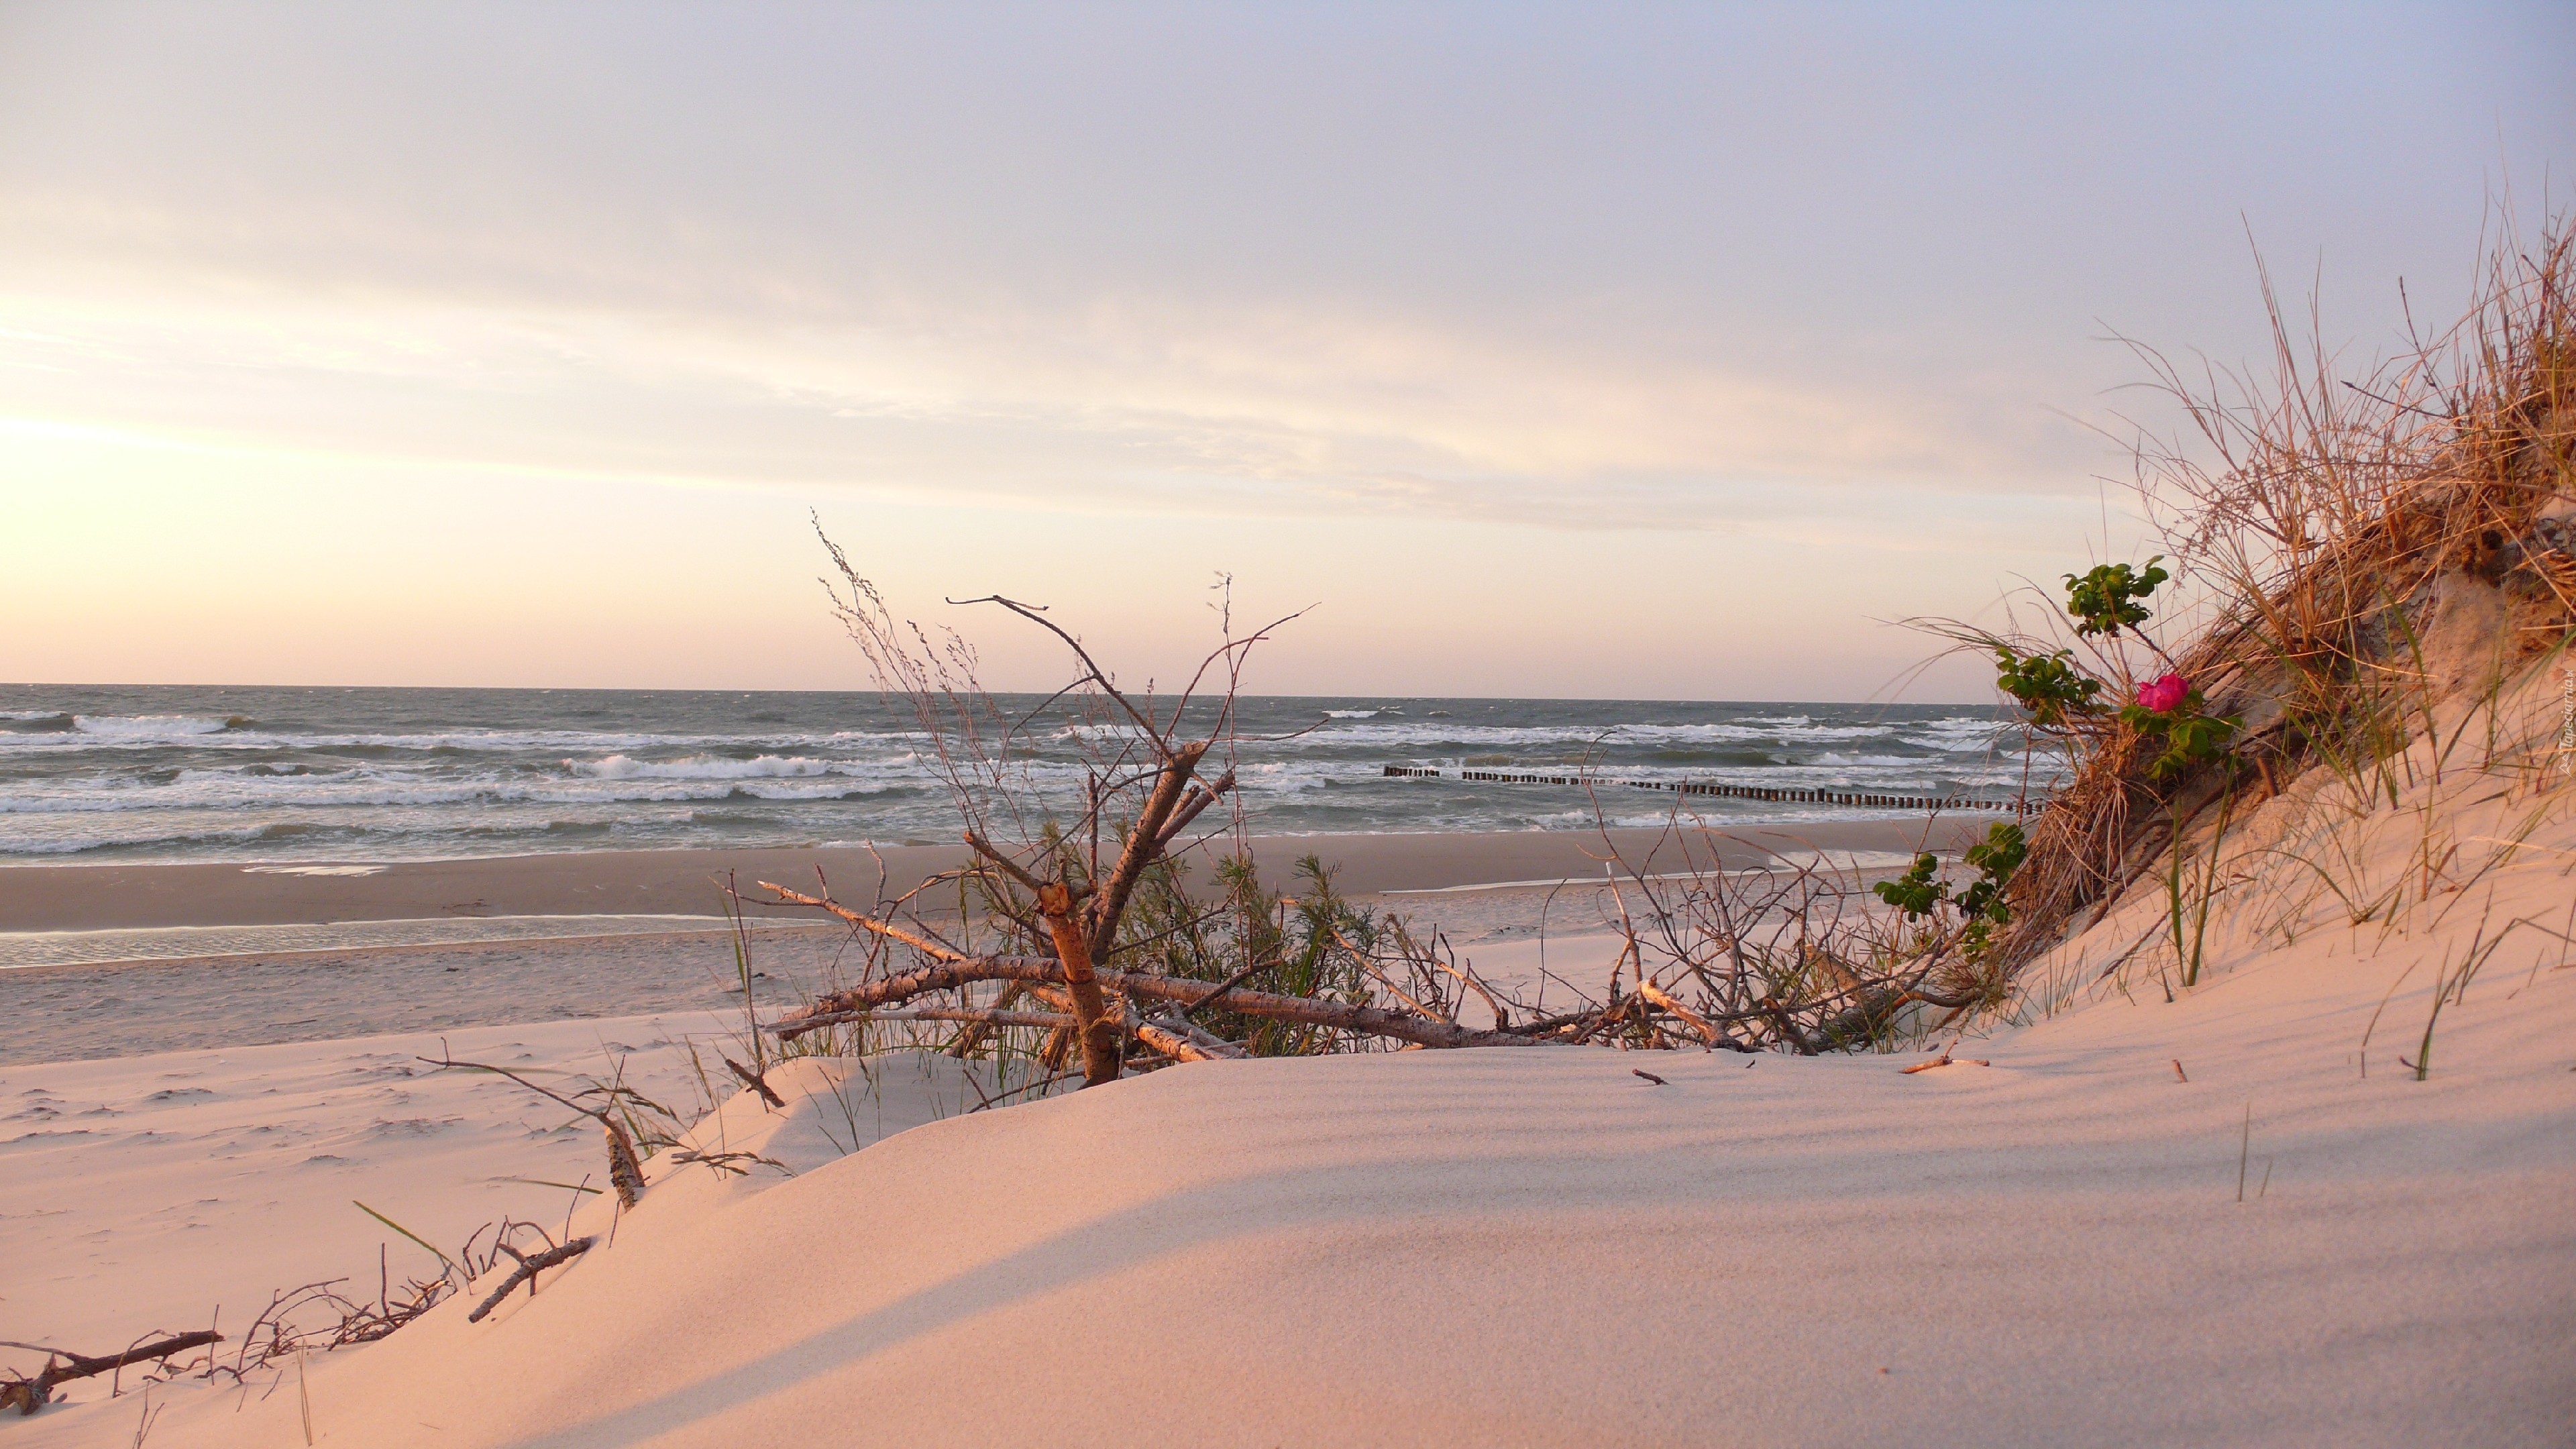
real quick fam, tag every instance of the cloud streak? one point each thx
(1543, 283)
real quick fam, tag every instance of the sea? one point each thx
(182, 773)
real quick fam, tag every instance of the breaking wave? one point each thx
(355, 774)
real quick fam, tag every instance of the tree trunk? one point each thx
(1100, 1035)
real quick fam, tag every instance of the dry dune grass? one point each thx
(2383, 560)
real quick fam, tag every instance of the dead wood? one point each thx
(972, 1039)
(1145, 841)
(859, 1002)
(983, 1016)
(1201, 796)
(757, 1081)
(1706, 1028)
(527, 1271)
(863, 921)
(1181, 1041)
(63, 1366)
(1099, 1034)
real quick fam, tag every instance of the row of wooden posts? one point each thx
(1785, 794)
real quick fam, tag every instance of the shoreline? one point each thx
(45, 898)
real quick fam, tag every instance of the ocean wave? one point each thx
(705, 767)
(239, 733)
(225, 790)
(154, 728)
(173, 835)
(1430, 736)
(365, 774)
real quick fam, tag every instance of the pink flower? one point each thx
(2165, 695)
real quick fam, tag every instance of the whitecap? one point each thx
(700, 767)
(148, 727)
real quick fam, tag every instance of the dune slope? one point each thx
(1539, 1247)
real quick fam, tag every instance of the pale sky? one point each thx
(1579, 350)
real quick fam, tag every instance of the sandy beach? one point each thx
(691, 882)
(1480, 889)
(1264, 725)
(207, 1097)
(2045, 1247)
(1919, 1247)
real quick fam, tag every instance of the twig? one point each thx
(527, 1272)
(757, 1081)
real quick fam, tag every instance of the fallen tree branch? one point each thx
(860, 1002)
(973, 1015)
(1166, 1034)
(864, 922)
(1176, 1037)
(1228, 984)
(527, 1272)
(1008, 866)
(971, 1040)
(1706, 1028)
(27, 1395)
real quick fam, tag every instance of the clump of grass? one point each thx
(2377, 556)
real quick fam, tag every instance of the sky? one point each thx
(1585, 350)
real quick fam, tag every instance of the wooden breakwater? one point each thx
(1783, 794)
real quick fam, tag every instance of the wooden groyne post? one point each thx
(1783, 794)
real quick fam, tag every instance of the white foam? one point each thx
(316, 870)
(147, 728)
(705, 767)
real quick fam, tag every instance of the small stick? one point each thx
(1942, 1060)
(2177, 1066)
(527, 1272)
(757, 1081)
(1649, 1076)
(1231, 982)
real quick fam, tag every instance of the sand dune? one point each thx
(2130, 1213)
(1540, 1247)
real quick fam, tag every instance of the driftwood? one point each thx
(63, 1366)
(527, 1271)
